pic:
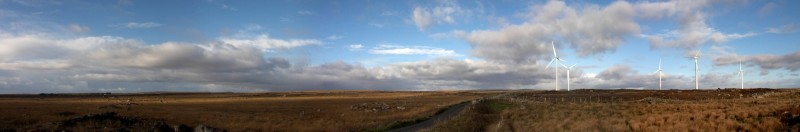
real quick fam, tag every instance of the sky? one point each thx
(286, 45)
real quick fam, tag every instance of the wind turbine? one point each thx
(556, 59)
(659, 74)
(696, 71)
(568, 68)
(741, 73)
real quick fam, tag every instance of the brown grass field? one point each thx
(511, 110)
(634, 110)
(289, 111)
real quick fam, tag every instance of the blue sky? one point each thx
(219, 45)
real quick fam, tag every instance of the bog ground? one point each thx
(497, 110)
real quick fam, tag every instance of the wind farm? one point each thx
(399, 66)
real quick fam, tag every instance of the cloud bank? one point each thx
(593, 30)
(34, 59)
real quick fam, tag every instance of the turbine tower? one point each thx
(696, 71)
(556, 59)
(659, 74)
(568, 68)
(741, 73)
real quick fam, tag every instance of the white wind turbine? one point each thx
(659, 74)
(696, 71)
(741, 73)
(568, 68)
(556, 59)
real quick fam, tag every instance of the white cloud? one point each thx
(718, 37)
(50, 62)
(79, 28)
(335, 37)
(265, 43)
(69, 63)
(251, 35)
(177, 56)
(591, 30)
(421, 17)
(411, 51)
(594, 30)
(305, 12)
(466, 74)
(31, 52)
(354, 47)
(44, 47)
(446, 11)
(137, 25)
(416, 50)
(36, 65)
(691, 20)
(766, 62)
(98, 63)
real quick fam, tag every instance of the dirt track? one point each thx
(447, 114)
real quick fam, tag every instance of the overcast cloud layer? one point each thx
(38, 55)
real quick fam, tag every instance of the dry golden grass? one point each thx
(291, 111)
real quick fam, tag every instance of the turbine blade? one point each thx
(698, 51)
(554, 49)
(548, 64)
(565, 66)
(573, 65)
(659, 64)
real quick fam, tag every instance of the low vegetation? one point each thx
(520, 110)
(295, 111)
(635, 110)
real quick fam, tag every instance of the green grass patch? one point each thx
(499, 106)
